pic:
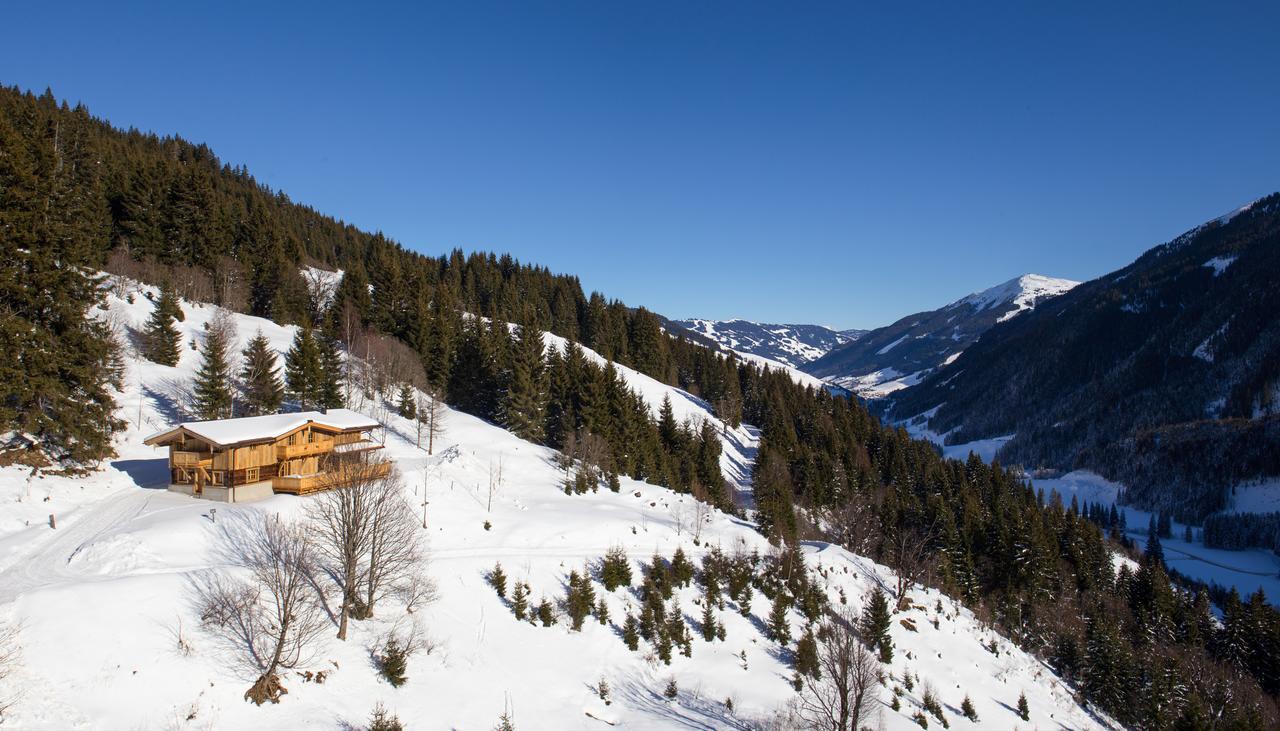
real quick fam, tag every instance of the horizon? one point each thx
(719, 144)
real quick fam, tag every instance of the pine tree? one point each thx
(709, 623)
(966, 707)
(260, 377)
(212, 388)
(384, 720)
(520, 600)
(631, 632)
(779, 627)
(875, 625)
(524, 408)
(807, 655)
(331, 372)
(498, 580)
(394, 662)
(681, 569)
(615, 569)
(546, 613)
(162, 343)
(406, 403)
(1024, 712)
(303, 369)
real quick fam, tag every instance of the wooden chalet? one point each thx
(240, 460)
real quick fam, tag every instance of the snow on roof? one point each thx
(256, 428)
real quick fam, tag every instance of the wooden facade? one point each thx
(238, 459)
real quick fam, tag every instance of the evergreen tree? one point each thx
(631, 632)
(806, 657)
(161, 341)
(406, 403)
(303, 370)
(498, 580)
(681, 569)
(1024, 712)
(394, 662)
(779, 627)
(524, 408)
(875, 626)
(212, 388)
(520, 600)
(329, 388)
(615, 569)
(966, 707)
(260, 378)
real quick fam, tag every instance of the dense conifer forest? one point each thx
(78, 196)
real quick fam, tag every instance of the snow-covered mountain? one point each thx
(900, 355)
(1163, 375)
(792, 345)
(110, 636)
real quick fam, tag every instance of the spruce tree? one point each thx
(520, 600)
(331, 372)
(709, 624)
(161, 340)
(807, 655)
(875, 625)
(525, 405)
(615, 569)
(1024, 712)
(779, 627)
(212, 388)
(406, 403)
(631, 632)
(260, 377)
(303, 369)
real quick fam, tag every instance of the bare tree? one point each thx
(321, 287)
(341, 520)
(844, 695)
(909, 554)
(272, 619)
(430, 417)
(396, 559)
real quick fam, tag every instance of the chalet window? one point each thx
(251, 474)
(218, 477)
(182, 476)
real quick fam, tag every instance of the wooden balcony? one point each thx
(306, 484)
(302, 449)
(192, 459)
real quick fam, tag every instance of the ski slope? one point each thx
(102, 600)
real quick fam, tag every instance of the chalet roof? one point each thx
(226, 432)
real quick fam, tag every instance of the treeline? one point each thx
(1147, 653)
(1236, 531)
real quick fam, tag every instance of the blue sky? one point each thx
(839, 163)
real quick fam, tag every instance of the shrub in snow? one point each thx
(966, 707)
(672, 690)
(920, 719)
(384, 720)
(394, 662)
(498, 580)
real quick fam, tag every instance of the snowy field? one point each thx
(110, 637)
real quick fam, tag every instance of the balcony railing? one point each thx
(302, 449)
(192, 459)
(303, 484)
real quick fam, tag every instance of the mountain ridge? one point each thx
(901, 354)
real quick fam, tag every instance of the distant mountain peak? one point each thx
(791, 344)
(902, 354)
(1022, 292)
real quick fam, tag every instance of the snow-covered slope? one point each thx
(791, 345)
(110, 638)
(900, 355)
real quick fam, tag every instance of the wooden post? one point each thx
(53, 521)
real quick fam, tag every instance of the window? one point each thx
(182, 476)
(218, 478)
(251, 474)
